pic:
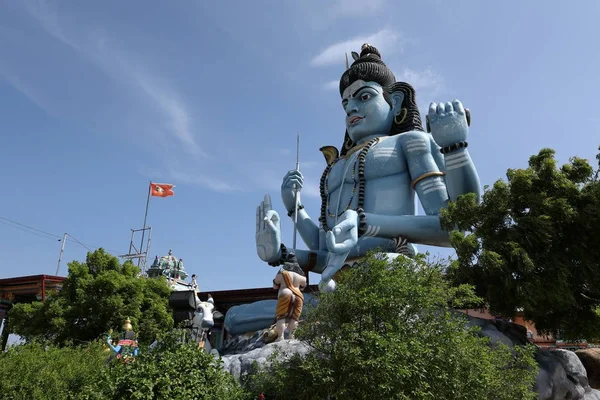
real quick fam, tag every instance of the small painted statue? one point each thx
(290, 280)
(127, 348)
(368, 187)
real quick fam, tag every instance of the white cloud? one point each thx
(311, 190)
(387, 41)
(426, 79)
(332, 85)
(27, 91)
(177, 176)
(96, 47)
(164, 117)
(214, 184)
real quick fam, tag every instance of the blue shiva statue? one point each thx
(368, 188)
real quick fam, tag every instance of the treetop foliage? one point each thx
(533, 244)
(98, 295)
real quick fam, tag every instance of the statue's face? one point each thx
(367, 112)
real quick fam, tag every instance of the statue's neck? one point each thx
(367, 138)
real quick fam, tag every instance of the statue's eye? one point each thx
(365, 96)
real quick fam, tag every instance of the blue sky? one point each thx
(99, 98)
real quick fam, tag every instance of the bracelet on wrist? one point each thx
(291, 212)
(362, 221)
(283, 258)
(453, 147)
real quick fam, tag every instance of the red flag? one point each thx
(161, 189)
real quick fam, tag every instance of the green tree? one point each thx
(97, 295)
(37, 371)
(533, 243)
(389, 332)
(172, 370)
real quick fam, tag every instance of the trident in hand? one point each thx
(296, 192)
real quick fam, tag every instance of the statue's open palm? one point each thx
(268, 231)
(448, 122)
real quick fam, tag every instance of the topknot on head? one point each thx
(367, 66)
(367, 50)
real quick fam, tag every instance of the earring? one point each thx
(403, 112)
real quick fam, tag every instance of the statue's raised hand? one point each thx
(448, 122)
(293, 179)
(268, 231)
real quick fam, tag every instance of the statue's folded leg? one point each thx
(283, 306)
(296, 308)
(295, 315)
(284, 302)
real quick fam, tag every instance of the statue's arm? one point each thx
(428, 181)
(426, 178)
(302, 285)
(434, 189)
(308, 230)
(461, 174)
(418, 229)
(276, 284)
(313, 260)
(109, 343)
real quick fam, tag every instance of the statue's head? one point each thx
(374, 103)
(291, 264)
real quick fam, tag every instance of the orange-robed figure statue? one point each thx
(290, 280)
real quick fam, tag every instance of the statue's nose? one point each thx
(207, 323)
(351, 108)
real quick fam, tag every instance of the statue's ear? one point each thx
(397, 97)
(217, 315)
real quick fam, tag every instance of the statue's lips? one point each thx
(354, 119)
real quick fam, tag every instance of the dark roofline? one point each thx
(21, 279)
(230, 297)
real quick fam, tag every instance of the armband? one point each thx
(454, 146)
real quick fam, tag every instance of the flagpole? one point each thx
(145, 219)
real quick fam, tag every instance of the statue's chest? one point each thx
(383, 159)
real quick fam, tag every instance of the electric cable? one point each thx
(51, 236)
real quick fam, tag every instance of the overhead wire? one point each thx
(22, 226)
(52, 236)
(78, 242)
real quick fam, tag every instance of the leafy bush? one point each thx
(388, 332)
(38, 371)
(172, 370)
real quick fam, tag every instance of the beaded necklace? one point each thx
(324, 189)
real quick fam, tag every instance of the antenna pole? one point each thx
(296, 198)
(62, 250)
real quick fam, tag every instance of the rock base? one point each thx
(240, 365)
(561, 375)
